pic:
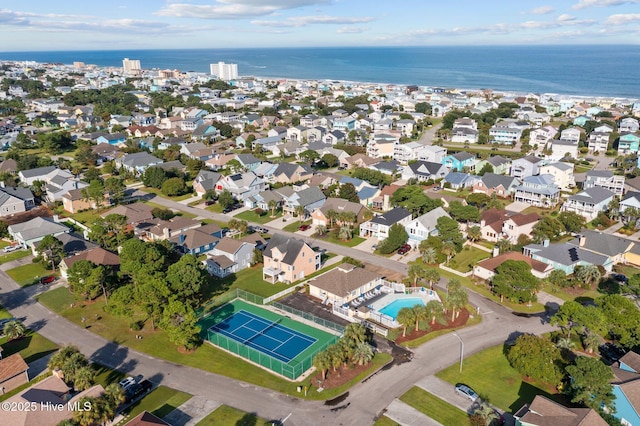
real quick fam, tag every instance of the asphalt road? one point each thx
(360, 406)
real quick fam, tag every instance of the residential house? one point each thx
(137, 162)
(338, 205)
(205, 181)
(365, 191)
(422, 227)
(459, 161)
(496, 225)
(15, 200)
(146, 419)
(341, 285)
(424, 170)
(241, 185)
(628, 143)
(486, 269)
(491, 183)
(605, 179)
(465, 123)
(359, 160)
(542, 412)
(589, 202)
(405, 152)
(562, 174)
(628, 124)
(456, 180)
(13, 373)
(198, 240)
(380, 148)
(526, 166)
(248, 161)
(219, 161)
(112, 138)
(309, 199)
(135, 212)
(499, 164)
(616, 248)
(28, 233)
(379, 226)
(387, 167)
(542, 136)
(158, 229)
(464, 135)
(197, 151)
(630, 199)
(598, 141)
(539, 191)
(562, 148)
(74, 201)
(229, 256)
(571, 134)
(566, 256)
(42, 174)
(507, 131)
(333, 137)
(432, 153)
(289, 173)
(98, 256)
(382, 202)
(289, 260)
(106, 152)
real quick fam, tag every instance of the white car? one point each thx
(9, 249)
(125, 383)
(466, 391)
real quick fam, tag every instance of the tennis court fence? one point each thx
(310, 317)
(292, 370)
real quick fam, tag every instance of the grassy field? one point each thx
(295, 225)
(28, 274)
(467, 258)
(385, 421)
(332, 238)
(251, 216)
(19, 254)
(432, 406)
(229, 416)
(87, 217)
(155, 342)
(215, 208)
(32, 346)
(160, 194)
(490, 374)
(161, 401)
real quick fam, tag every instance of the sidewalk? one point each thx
(446, 392)
(191, 412)
(406, 415)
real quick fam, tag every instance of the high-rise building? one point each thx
(131, 66)
(78, 65)
(225, 71)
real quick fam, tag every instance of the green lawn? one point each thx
(215, 208)
(28, 274)
(32, 346)
(332, 238)
(541, 211)
(467, 258)
(229, 416)
(295, 225)
(385, 421)
(87, 217)
(160, 194)
(19, 254)
(439, 410)
(155, 342)
(251, 216)
(490, 374)
(178, 213)
(161, 401)
(3, 243)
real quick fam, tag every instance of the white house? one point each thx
(421, 227)
(589, 203)
(379, 226)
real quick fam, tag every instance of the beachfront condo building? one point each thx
(225, 71)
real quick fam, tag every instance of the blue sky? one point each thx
(37, 25)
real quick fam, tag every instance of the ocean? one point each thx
(575, 70)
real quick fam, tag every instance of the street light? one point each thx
(461, 350)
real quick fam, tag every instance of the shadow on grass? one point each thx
(526, 393)
(164, 410)
(609, 286)
(249, 419)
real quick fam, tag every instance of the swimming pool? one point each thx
(392, 308)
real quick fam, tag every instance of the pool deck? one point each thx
(386, 299)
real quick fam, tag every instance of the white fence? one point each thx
(280, 294)
(376, 328)
(453, 271)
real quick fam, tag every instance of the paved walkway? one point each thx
(550, 301)
(191, 200)
(446, 392)
(516, 206)
(406, 415)
(191, 412)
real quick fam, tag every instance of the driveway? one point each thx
(367, 245)
(516, 207)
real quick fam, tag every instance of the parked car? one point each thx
(209, 202)
(3, 321)
(304, 227)
(341, 168)
(47, 280)
(620, 278)
(127, 382)
(9, 249)
(260, 230)
(135, 390)
(611, 352)
(466, 391)
(227, 210)
(146, 385)
(436, 188)
(406, 248)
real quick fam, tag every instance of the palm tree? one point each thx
(416, 272)
(565, 343)
(113, 395)
(299, 210)
(346, 351)
(457, 297)
(345, 233)
(613, 209)
(86, 417)
(242, 227)
(72, 364)
(363, 353)
(487, 413)
(420, 313)
(14, 330)
(331, 215)
(272, 204)
(406, 318)
(335, 356)
(83, 378)
(435, 310)
(430, 255)
(590, 342)
(474, 233)
(432, 275)
(322, 362)
(58, 359)
(588, 275)
(355, 333)
(449, 249)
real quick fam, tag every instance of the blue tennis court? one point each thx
(266, 336)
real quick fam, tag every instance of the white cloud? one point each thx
(351, 30)
(234, 9)
(566, 18)
(542, 10)
(622, 19)
(582, 4)
(301, 21)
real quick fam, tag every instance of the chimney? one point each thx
(582, 239)
(165, 233)
(545, 243)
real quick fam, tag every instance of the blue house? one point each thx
(112, 139)
(628, 143)
(580, 121)
(345, 123)
(249, 161)
(458, 161)
(626, 384)
(198, 240)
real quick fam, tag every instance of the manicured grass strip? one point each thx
(295, 226)
(385, 421)
(32, 346)
(490, 374)
(465, 260)
(161, 401)
(439, 410)
(331, 238)
(251, 216)
(29, 274)
(14, 256)
(229, 416)
(160, 194)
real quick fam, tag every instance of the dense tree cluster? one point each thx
(114, 100)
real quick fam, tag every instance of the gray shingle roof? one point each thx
(593, 195)
(392, 216)
(40, 171)
(289, 246)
